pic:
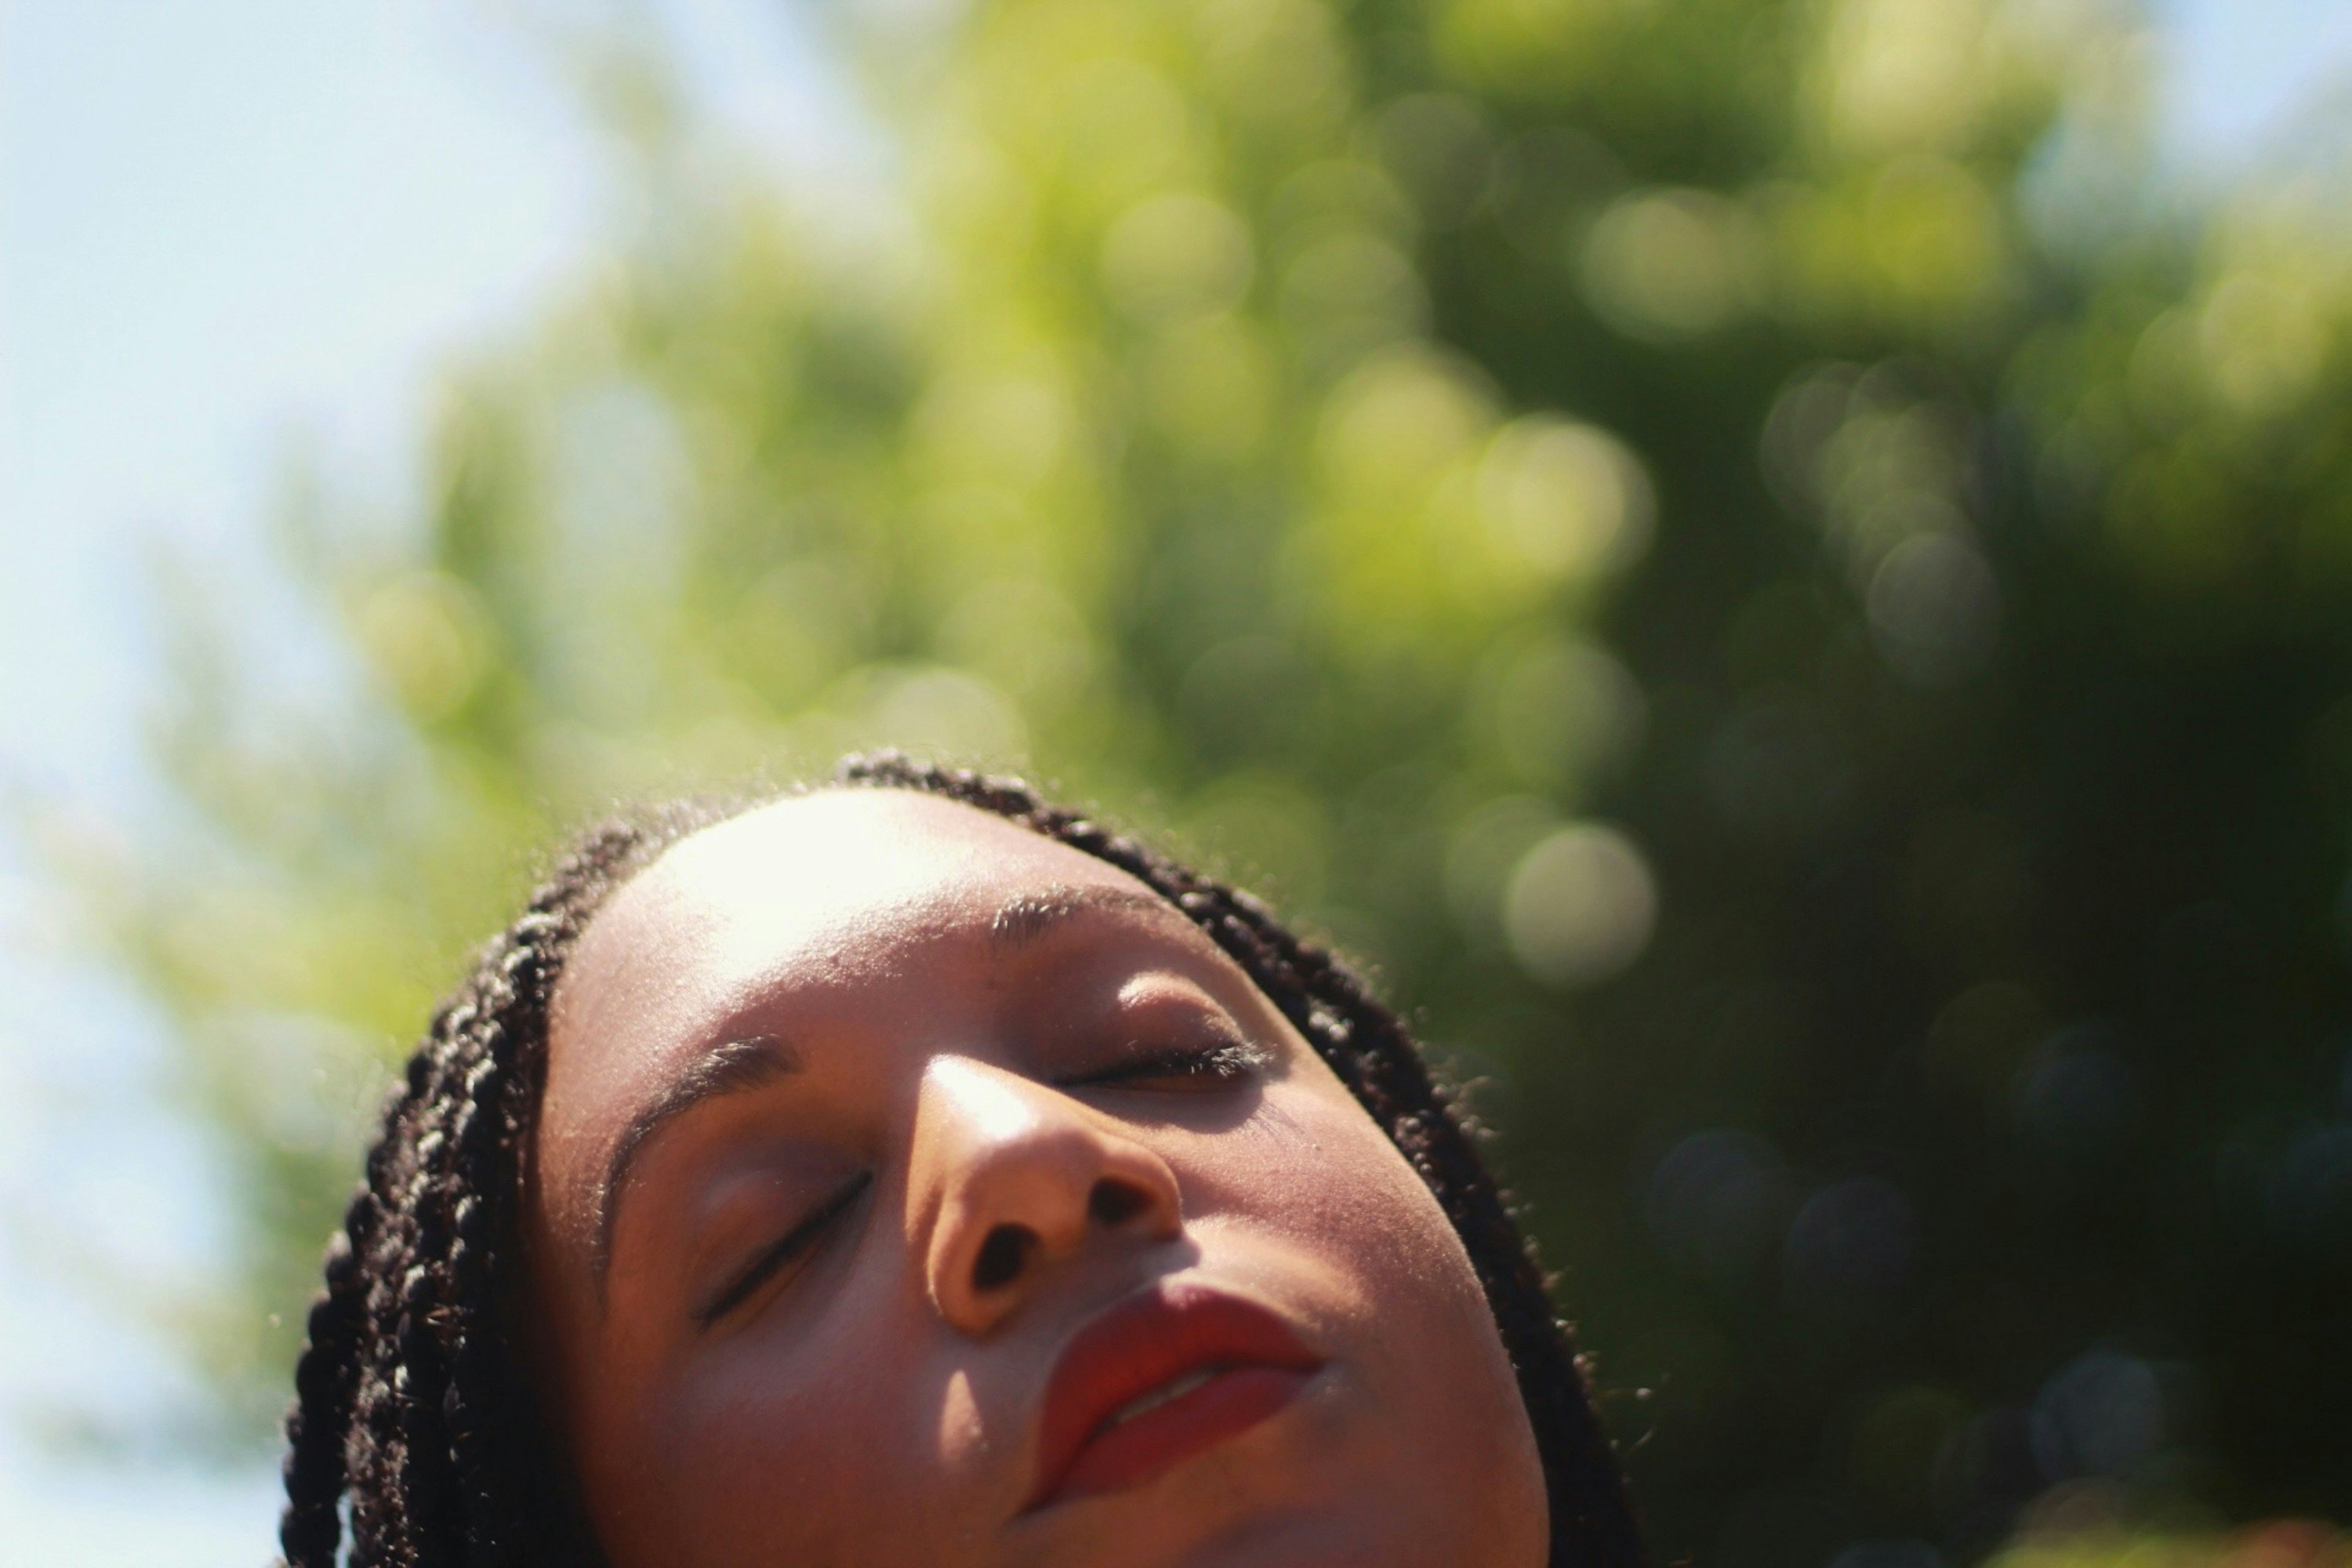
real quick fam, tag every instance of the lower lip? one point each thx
(1136, 1451)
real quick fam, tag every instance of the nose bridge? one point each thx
(1010, 1176)
(995, 1146)
(983, 1107)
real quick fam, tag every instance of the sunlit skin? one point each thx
(937, 1036)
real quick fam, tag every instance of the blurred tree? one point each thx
(1732, 548)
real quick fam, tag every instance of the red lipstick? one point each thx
(1167, 1373)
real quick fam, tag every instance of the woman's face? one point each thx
(912, 1189)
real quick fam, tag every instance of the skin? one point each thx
(877, 1399)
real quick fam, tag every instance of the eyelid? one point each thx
(1226, 1058)
(792, 1244)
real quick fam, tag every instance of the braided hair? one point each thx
(415, 1431)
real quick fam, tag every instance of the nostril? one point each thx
(1002, 1254)
(1114, 1203)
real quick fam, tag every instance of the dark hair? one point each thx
(407, 1409)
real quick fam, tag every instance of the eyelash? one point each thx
(802, 1237)
(1227, 1061)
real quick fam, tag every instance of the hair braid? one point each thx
(406, 1405)
(398, 1398)
(485, 1156)
(317, 1428)
(310, 1529)
(389, 1492)
(469, 1333)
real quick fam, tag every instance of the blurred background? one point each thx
(1781, 570)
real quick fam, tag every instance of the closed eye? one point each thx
(795, 1243)
(1181, 1067)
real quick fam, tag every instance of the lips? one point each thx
(1165, 1374)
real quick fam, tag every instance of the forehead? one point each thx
(835, 886)
(837, 874)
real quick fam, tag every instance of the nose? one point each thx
(1012, 1177)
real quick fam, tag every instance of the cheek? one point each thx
(793, 1444)
(1316, 1203)
(1312, 1167)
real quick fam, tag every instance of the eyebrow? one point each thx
(737, 1067)
(1024, 920)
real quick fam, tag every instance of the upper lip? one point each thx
(1158, 1334)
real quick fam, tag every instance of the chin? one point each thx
(1306, 1490)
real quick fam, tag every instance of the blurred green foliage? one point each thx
(2068, 1532)
(1737, 551)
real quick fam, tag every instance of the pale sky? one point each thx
(224, 226)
